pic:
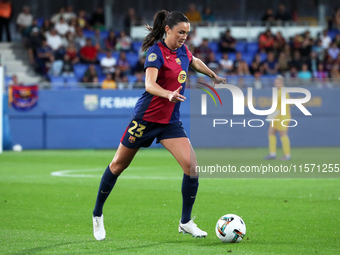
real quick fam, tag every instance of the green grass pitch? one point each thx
(46, 214)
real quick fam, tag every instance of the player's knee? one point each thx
(117, 168)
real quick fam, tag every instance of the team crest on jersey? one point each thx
(182, 77)
(91, 102)
(152, 57)
(132, 139)
(178, 61)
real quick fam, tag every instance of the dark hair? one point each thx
(160, 21)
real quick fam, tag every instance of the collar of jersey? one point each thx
(171, 51)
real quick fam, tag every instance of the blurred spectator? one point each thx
(72, 53)
(333, 51)
(29, 29)
(288, 53)
(88, 54)
(68, 39)
(266, 41)
(193, 15)
(318, 49)
(56, 17)
(240, 66)
(6, 13)
(325, 39)
(306, 47)
(98, 19)
(227, 42)
(72, 26)
(80, 39)
(108, 63)
(95, 82)
(111, 41)
(313, 62)
(270, 65)
(67, 69)
(82, 19)
(282, 14)
(61, 26)
(334, 22)
(24, 19)
(123, 83)
(268, 15)
(256, 65)
(46, 27)
(90, 74)
(44, 52)
(193, 38)
(305, 74)
(282, 64)
(139, 68)
(279, 42)
(123, 42)
(335, 74)
(123, 64)
(69, 14)
(257, 80)
(55, 42)
(226, 64)
(337, 40)
(139, 81)
(296, 61)
(130, 19)
(321, 76)
(14, 81)
(54, 66)
(203, 50)
(98, 41)
(293, 75)
(109, 82)
(328, 64)
(33, 43)
(212, 63)
(207, 15)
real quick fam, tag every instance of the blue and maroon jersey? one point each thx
(172, 73)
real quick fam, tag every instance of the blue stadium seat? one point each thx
(240, 46)
(252, 47)
(115, 55)
(99, 70)
(71, 79)
(100, 56)
(88, 33)
(214, 46)
(136, 46)
(101, 78)
(263, 56)
(248, 57)
(218, 56)
(132, 58)
(132, 78)
(7, 79)
(232, 56)
(104, 34)
(79, 70)
(57, 80)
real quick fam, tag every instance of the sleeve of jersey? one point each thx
(154, 58)
(189, 54)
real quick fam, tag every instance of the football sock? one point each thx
(189, 191)
(272, 145)
(106, 185)
(285, 145)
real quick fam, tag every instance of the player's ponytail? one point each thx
(162, 19)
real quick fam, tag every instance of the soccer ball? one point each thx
(230, 228)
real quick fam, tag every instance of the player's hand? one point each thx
(175, 96)
(218, 80)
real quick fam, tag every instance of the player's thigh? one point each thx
(271, 130)
(183, 152)
(122, 159)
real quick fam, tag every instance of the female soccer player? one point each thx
(277, 125)
(156, 114)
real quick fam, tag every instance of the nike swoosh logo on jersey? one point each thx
(167, 57)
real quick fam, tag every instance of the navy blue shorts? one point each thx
(141, 133)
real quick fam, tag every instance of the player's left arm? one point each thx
(200, 67)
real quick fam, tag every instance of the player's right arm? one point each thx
(153, 88)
